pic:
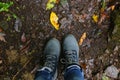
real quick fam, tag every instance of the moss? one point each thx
(23, 59)
(116, 31)
(27, 76)
(12, 55)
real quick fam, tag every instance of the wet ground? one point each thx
(22, 53)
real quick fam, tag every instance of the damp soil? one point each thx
(22, 53)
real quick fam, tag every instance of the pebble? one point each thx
(112, 71)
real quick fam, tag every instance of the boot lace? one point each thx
(51, 61)
(70, 57)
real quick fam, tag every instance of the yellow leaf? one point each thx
(54, 20)
(113, 7)
(95, 18)
(51, 4)
(82, 38)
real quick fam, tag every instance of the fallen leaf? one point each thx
(82, 38)
(95, 18)
(83, 65)
(112, 7)
(1, 29)
(23, 38)
(51, 4)
(104, 77)
(54, 20)
(102, 18)
(2, 38)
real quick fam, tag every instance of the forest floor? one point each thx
(21, 50)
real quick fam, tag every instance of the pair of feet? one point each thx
(52, 53)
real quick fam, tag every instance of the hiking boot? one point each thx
(71, 50)
(52, 52)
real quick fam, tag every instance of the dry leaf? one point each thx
(112, 7)
(102, 18)
(2, 37)
(54, 20)
(1, 29)
(51, 4)
(104, 77)
(83, 65)
(82, 38)
(95, 18)
(23, 37)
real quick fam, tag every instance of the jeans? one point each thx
(73, 72)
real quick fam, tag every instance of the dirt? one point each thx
(22, 53)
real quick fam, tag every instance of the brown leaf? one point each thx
(83, 65)
(23, 37)
(1, 29)
(102, 18)
(2, 38)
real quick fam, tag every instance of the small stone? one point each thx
(107, 51)
(116, 48)
(112, 71)
(18, 25)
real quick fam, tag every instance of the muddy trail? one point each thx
(23, 39)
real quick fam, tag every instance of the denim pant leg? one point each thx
(43, 75)
(73, 72)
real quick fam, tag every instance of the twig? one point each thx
(21, 69)
(35, 69)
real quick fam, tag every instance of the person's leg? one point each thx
(43, 74)
(71, 53)
(73, 72)
(49, 70)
